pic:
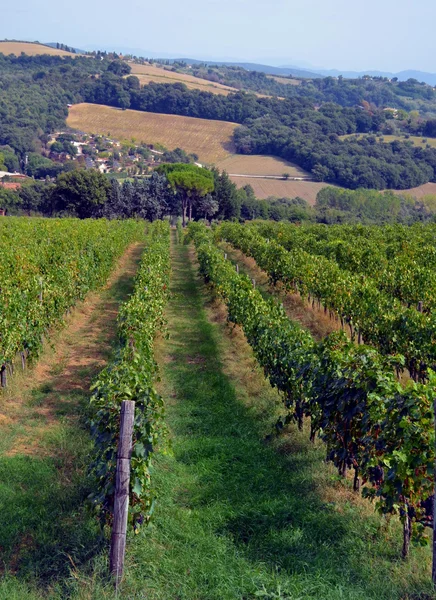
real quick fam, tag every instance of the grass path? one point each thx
(44, 530)
(238, 517)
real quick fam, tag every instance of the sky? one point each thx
(386, 35)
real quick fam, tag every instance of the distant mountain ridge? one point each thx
(268, 69)
(429, 78)
(285, 70)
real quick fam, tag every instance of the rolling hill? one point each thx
(31, 49)
(211, 140)
(260, 165)
(148, 73)
(281, 188)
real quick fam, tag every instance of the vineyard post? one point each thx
(237, 268)
(254, 283)
(225, 255)
(121, 503)
(3, 376)
(419, 307)
(41, 287)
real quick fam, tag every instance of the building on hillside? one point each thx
(10, 185)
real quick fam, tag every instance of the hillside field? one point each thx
(31, 49)
(419, 192)
(263, 188)
(308, 190)
(284, 80)
(211, 140)
(260, 165)
(151, 73)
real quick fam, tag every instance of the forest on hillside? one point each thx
(35, 92)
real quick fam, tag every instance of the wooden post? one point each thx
(237, 269)
(254, 283)
(419, 307)
(3, 376)
(225, 255)
(121, 503)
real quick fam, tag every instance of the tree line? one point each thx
(177, 189)
(188, 191)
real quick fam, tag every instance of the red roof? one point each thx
(11, 185)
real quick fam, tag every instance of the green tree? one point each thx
(119, 67)
(80, 192)
(226, 194)
(207, 206)
(191, 183)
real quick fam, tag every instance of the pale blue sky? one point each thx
(346, 34)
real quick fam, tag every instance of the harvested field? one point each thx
(149, 73)
(260, 165)
(308, 190)
(284, 80)
(30, 48)
(211, 140)
(263, 188)
(419, 192)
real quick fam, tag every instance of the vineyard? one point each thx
(47, 266)
(259, 451)
(369, 421)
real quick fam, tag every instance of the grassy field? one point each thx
(211, 140)
(259, 165)
(148, 73)
(263, 188)
(416, 140)
(240, 514)
(30, 48)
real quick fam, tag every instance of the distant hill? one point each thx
(268, 69)
(306, 72)
(77, 50)
(30, 48)
(421, 76)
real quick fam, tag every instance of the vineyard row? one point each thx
(369, 422)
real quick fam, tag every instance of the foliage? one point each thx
(47, 265)
(348, 391)
(80, 193)
(191, 183)
(371, 313)
(334, 205)
(131, 376)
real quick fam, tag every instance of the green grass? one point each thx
(239, 517)
(47, 532)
